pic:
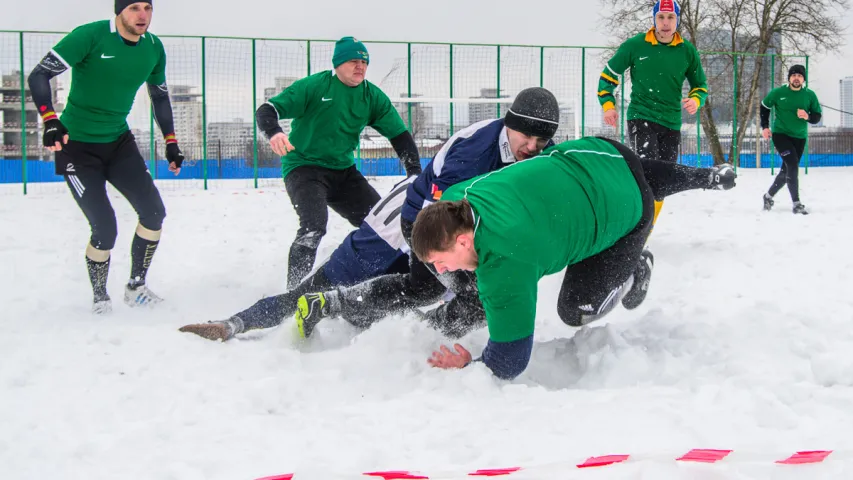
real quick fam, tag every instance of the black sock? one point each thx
(299, 264)
(98, 272)
(141, 253)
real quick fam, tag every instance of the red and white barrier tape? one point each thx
(697, 455)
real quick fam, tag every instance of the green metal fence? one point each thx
(216, 83)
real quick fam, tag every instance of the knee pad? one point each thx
(310, 239)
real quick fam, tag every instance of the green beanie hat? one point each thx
(349, 48)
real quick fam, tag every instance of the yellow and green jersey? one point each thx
(658, 72)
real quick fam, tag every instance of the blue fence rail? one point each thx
(39, 171)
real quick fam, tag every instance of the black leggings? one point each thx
(791, 150)
(311, 190)
(87, 168)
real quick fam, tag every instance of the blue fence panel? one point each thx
(233, 168)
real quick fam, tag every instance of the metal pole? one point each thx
(309, 57)
(498, 92)
(541, 66)
(806, 147)
(699, 138)
(622, 115)
(451, 90)
(204, 112)
(23, 114)
(254, 108)
(734, 159)
(409, 82)
(151, 145)
(772, 86)
(583, 90)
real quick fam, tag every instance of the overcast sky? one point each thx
(555, 22)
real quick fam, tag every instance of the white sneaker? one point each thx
(103, 306)
(140, 296)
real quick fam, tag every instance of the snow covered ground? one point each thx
(744, 343)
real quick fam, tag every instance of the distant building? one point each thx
(845, 95)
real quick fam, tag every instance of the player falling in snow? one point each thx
(796, 106)
(109, 61)
(380, 245)
(375, 299)
(585, 206)
(330, 109)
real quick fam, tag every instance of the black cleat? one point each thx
(768, 202)
(642, 276)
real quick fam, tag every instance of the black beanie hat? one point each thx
(797, 69)
(535, 112)
(122, 4)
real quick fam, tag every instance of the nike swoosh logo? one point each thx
(105, 56)
(325, 99)
(643, 58)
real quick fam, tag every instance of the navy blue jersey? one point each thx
(377, 247)
(477, 149)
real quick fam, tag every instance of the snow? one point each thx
(743, 343)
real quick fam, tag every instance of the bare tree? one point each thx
(754, 27)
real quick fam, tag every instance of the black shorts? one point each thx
(653, 141)
(87, 167)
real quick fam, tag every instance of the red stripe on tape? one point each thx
(704, 455)
(395, 475)
(286, 476)
(798, 458)
(494, 472)
(602, 461)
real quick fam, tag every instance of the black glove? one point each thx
(54, 131)
(174, 155)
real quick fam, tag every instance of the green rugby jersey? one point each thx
(106, 73)
(536, 217)
(328, 117)
(658, 72)
(785, 102)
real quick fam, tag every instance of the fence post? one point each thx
(699, 138)
(772, 86)
(498, 92)
(151, 145)
(806, 148)
(409, 81)
(23, 113)
(734, 159)
(309, 58)
(204, 111)
(622, 114)
(254, 108)
(583, 91)
(541, 66)
(451, 90)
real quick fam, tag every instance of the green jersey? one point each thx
(786, 102)
(329, 117)
(536, 217)
(658, 72)
(106, 73)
